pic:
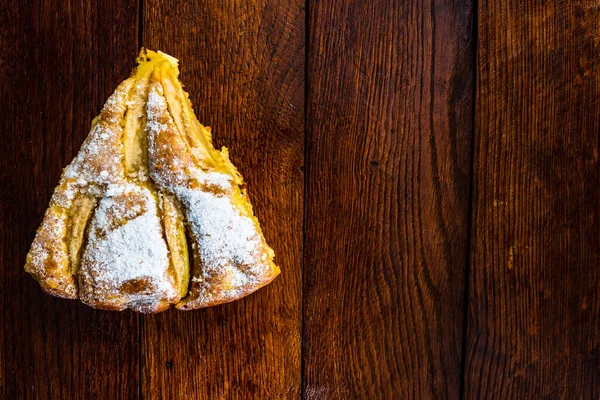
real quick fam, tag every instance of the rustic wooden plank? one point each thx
(243, 65)
(59, 63)
(535, 279)
(388, 150)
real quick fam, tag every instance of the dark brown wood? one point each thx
(388, 150)
(243, 65)
(389, 135)
(534, 327)
(60, 61)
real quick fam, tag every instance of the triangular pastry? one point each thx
(146, 177)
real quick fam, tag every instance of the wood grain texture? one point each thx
(243, 64)
(60, 61)
(388, 150)
(388, 174)
(534, 327)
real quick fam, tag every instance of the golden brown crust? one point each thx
(114, 234)
(216, 292)
(226, 266)
(48, 260)
(126, 261)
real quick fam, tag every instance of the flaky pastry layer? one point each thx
(149, 214)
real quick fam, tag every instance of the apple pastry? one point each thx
(149, 214)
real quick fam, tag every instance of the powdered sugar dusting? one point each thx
(230, 247)
(125, 261)
(125, 247)
(100, 160)
(50, 249)
(177, 165)
(65, 193)
(55, 227)
(48, 258)
(227, 241)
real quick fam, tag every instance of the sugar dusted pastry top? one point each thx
(146, 177)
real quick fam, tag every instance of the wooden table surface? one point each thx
(428, 173)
